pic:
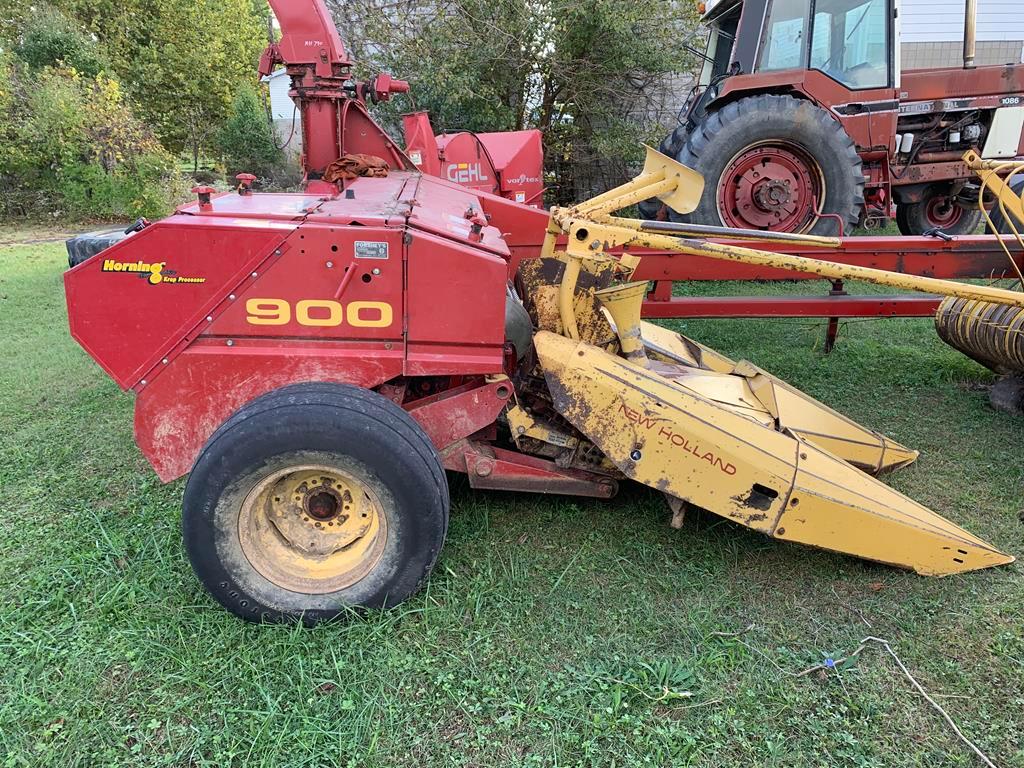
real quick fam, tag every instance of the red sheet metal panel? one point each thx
(371, 201)
(180, 409)
(332, 283)
(455, 308)
(453, 211)
(277, 206)
(458, 413)
(954, 83)
(135, 302)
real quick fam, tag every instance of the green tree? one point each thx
(182, 61)
(246, 140)
(50, 38)
(123, 26)
(71, 144)
(592, 74)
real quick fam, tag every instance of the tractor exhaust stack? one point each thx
(970, 31)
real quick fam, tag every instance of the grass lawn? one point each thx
(553, 632)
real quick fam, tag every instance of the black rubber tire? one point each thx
(674, 141)
(649, 209)
(311, 423)
(999, 225)
(901, 218)
(912, 219)
(1007, 395)
(87, 245)
(726, 132)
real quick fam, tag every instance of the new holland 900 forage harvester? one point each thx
(316, 361)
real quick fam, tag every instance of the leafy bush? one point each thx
(71, 145)
(140, 188)
(51, 39)
(246, 141)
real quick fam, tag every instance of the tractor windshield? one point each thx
(848, 40)
(784, 38)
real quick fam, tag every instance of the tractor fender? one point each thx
(742, 86)
(909, 193)
(199, 390)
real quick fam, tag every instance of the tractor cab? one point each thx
(850, 41)
(801, 121)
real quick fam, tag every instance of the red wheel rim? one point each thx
(940, 212)
(775, 186)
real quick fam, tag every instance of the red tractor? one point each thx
(802, 121)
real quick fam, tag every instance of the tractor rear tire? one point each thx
(774, 163)
(935, 211)
(999, 223)
(650, 210)
(313, 500)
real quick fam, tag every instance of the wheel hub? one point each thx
(941, 211)
(771, 195)
(323, 503)
(771, 186)
(312, 529)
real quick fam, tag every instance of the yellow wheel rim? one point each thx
(312, 529)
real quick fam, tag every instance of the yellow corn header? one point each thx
(705, 430)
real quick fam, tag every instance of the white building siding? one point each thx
(933, 32)
(281, 105)
(933, 21)
(286, 121)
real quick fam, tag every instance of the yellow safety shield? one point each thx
(686, 196)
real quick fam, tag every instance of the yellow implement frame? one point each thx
(996, 178)
(985, 331)
(723, 435)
